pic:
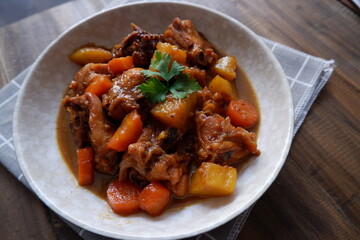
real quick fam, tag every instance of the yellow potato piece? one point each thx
(223, 86)
(176, 53)
(175, 112)
(225, 67)
(211, 179)
(90, 54)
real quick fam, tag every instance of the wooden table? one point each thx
(316, 195)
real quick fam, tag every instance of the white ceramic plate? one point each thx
(38, 103)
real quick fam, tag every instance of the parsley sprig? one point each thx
(175, 81)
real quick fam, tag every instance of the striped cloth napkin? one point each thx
(306, 75)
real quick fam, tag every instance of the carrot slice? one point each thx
(99, 86)
(128, 132)
(123, 197)
(118, 65)
(242, 113)
(154, 198)
(85, 158)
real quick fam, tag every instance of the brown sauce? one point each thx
(68, 149)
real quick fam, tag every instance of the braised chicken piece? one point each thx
(124, 96)
(88, 73)
(79, 112)
(184, 34)
(220, 142)
(139, 44)
(149, 158)
(212, 101)
(90, 128)
(79, 120)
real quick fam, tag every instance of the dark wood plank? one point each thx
(351, 5)
(22, 214)
(61, 229)
(316, 195)
(283, 213)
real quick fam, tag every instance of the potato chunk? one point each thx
(225, 67)
(211, 179)
(176, 53)
(175, 112)
(90, 54)
(223, 86)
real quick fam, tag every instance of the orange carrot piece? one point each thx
(86, 160)
(99, 86)
(128, 132)
(242, 113)
(118, 65)
(154, 198)
(123, 197)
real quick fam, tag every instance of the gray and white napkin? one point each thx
(306, 75)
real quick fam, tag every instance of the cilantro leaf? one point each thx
(180, 86)
(183, 86)
(161, 63)
(175, 70)
(154, 90)
(150, 74)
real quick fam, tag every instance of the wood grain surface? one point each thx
(316, 195)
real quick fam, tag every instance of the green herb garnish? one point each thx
(178, 83)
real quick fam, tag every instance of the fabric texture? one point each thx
(306, 75)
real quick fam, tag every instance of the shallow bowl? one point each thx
(38, 104)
